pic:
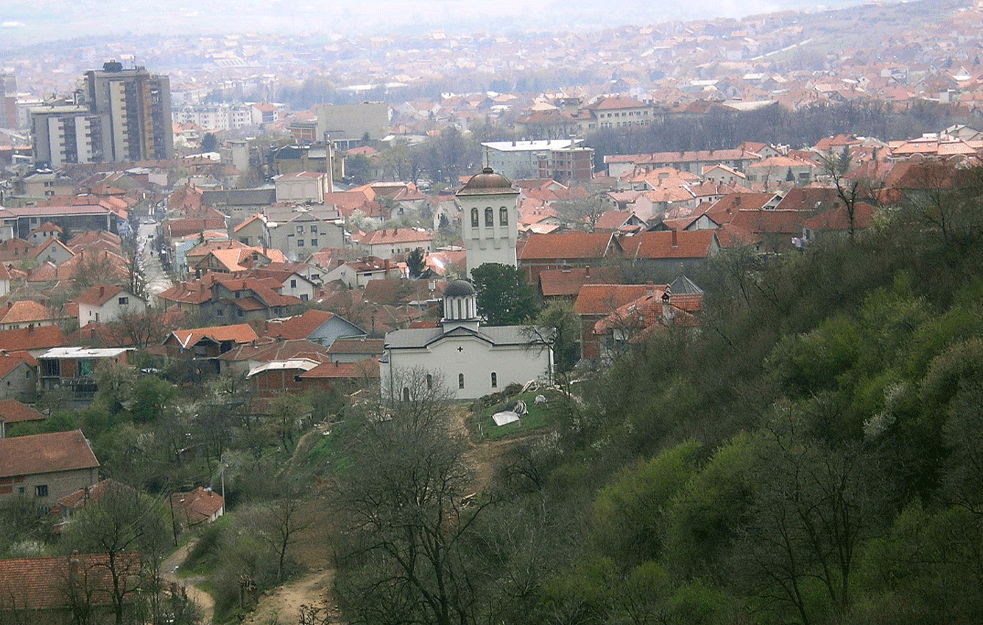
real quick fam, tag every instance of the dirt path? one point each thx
(169, 574)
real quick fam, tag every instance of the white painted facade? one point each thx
(472, 361)
(489, 219)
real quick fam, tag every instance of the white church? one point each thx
(472, 360)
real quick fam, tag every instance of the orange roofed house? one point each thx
(50, 591)
(573, 249)
(46, 467)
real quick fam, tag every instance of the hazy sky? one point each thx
(32, 21)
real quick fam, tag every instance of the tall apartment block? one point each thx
(8, 101)
(118, 115)
(139, 108)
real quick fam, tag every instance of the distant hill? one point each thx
(31, 21)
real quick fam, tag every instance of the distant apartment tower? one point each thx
(67, 134)
(138, 106)
(8, 101)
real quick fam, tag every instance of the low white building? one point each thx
(472, 360)
(103, 303)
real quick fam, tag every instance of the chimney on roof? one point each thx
(30, 328)
(675, 243)
(102, 291)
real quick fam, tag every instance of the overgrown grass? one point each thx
(327, 455)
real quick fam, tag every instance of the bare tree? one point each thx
(407, 515)
(850, 190)
(124, 525)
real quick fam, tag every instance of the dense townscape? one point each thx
(674, 323)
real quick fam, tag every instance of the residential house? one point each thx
(46, 467)
(202, 505)
(13, 412)
(18, 376)
(50, 590)
(253, 231)
(297, 231)
(564, 284)
(44, 232)
(5, 279)
(302, 187)
(597, 301)
(27, 313)
(74, 368)
(318, 326)
(358, 273)
(243, 358)
(346, 376)
(104, 303)
(388, 243)
(672, 252)
(32, 340)
(631, 323)
(52, 251)
(203, 346)
(355, 349)
(573, 249)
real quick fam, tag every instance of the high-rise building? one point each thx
(8, 101)
(139, 108)
(67, 134)
(119, 115)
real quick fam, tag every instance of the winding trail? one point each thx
(201, 598)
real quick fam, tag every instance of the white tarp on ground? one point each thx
(504, 418)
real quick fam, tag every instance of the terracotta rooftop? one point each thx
(45, 453)
(567, 246)
(39, 583)
(12, 411)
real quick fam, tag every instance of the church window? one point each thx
(406, 393)
(494, 379)
(489, 217)
(460, 380)
(503, 216)
(429, 381)
(459, 315)
(474, 217)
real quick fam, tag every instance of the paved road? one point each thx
(157, 279)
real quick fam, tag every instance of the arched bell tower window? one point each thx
(474, 217)
(494, 379)
(503, 216)
(489, 217)
(460, 380)
(406, 393)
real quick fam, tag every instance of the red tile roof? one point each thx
(239, 333)
(602, 299)
(198, 505)
(568, 282)
(670, 244)
(344, 370)
(21, 339)
(98, 294)
(298, 326)
(12, 411)
(39, 583)
(45, 453)
(569, 245)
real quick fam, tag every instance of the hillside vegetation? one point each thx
(811, 455)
